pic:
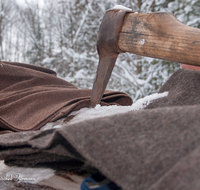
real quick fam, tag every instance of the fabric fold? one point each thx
(31, 96)
(155, 148)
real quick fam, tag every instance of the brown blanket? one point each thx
(31, 96)
(151, 149)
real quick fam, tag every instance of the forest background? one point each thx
(62, 34)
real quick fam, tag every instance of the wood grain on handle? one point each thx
(160, 35)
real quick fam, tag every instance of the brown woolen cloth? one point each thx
(143, 150)
(151, 149)
(31, 96)
(183, 87)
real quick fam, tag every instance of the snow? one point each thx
(103, 111)
(120, 7)
(41, 176)
(24, 2)
(47, 60)
(194, 21)
(142, 42)
(26, 174)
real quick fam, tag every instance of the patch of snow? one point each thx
(79, 74)
(142, 42)
(57, 126)
(120, 7)
(24, 174)
(193, 21)
(188, 9)
(103, 111)
(24, 2)
(47, 60)
(144, 102)
(53, 125)
(135, 12)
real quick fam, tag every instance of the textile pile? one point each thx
(151, 149)
(31, 96)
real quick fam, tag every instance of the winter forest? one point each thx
(61, 35)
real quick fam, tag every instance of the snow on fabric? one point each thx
(103, 111)
(121, 7)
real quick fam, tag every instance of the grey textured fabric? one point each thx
(36, 147)
(148, 149)
(183, 87)
(151, 149)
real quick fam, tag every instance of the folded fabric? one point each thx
(31, 96)
(151, 149)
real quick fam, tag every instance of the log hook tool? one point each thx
(158, 35)
(108, 51)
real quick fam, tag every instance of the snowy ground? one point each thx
(103, 111)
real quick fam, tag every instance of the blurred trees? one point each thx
(62, 36)
(8, 44)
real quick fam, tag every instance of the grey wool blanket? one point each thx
(152, 149)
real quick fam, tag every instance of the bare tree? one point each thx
(6, 20)
(62, 36)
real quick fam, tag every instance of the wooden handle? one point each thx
(157, 35)
(160, 35)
